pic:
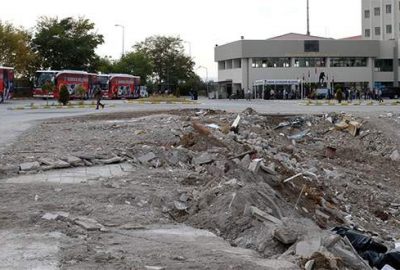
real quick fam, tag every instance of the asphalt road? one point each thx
(14, 122)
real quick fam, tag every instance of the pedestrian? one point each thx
(380, 96)
(248, 94)
(98, 95)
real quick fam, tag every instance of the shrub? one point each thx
(64, 95)
(81, 92)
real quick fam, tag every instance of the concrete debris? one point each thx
(29, 166)
(88, 224)
(235, 124)
(154, 268)
(285, 235)
(395, 156)
(263, 216)
(147, 158)
(113, 160)
(255, 165)
(203, 159)
(299, 136)
(74, 161)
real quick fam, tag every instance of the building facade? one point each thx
(380, 19)
(295, 63)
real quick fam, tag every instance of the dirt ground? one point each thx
(187, 197)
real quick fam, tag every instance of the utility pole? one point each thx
(308, 17)
(123, 38)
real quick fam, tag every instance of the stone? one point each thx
(203, 159)
(264, 216)
(29, 166)
(255, 165)
(59, 164)
(46, 161)
(309, 265)
(270, 169)
(74, 161)
(147, 157)
(154, 267)
(88, 224)
(395, 156)
(308, 247)
(246, 160)
(285, 235)
(112, 160)
(9, 169)
(55, 216)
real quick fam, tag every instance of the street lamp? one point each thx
(123, 37)
(206, 76)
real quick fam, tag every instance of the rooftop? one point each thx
(296, 36)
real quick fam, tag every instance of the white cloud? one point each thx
(202, 22)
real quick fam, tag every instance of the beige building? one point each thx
(293, 62)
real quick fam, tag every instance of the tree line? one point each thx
(70, 43)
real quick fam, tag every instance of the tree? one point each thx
(15, 48)
(67, 43)
(135, 63)
(167, 57)
(103, 65)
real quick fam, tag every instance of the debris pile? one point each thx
(275, 184)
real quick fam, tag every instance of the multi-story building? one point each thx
(380, 19)
(295, 63)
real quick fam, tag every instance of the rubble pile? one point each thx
(275, 184)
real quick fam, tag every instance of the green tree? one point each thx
(67, 43)
(103, 65)
(135, 63)
(168, 59)
(15, 48)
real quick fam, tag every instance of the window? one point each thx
(384, 65)
(221, 65)
(310, 62)
(388, 29)
(349, 62)
(377, 11)
(367, 33)
(388, 9)
(377, 31)
(366, 14)
(273, 62)
(311, 46)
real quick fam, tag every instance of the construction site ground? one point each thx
(180, 189)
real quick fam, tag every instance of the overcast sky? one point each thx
(203, 23)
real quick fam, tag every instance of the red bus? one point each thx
(115, 86)
(73, 80)
(6, 83)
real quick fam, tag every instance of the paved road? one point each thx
(14, 122)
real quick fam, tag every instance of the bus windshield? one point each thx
(44, 77)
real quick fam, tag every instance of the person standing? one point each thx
(98, 95)
(248, 94)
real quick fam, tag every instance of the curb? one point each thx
(347, 104)
(56, 107)
(163, 102)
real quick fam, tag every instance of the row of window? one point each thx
(377, 30)
(377, 11)
(284, 62)
(383, 65)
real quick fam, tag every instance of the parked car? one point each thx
(322, 93)
(391, 92)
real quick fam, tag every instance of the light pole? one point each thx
(206, 76)
(123, 37)
(190, 47)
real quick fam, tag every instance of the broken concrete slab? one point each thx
(74, 161)
(285, 235)
(29, 166)
(263, 216)
(255, 165)
(154, 267)
(395, 156)
(270, 169)
(203, 159)
(112, 160)
(88, 224)
(147, 158)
